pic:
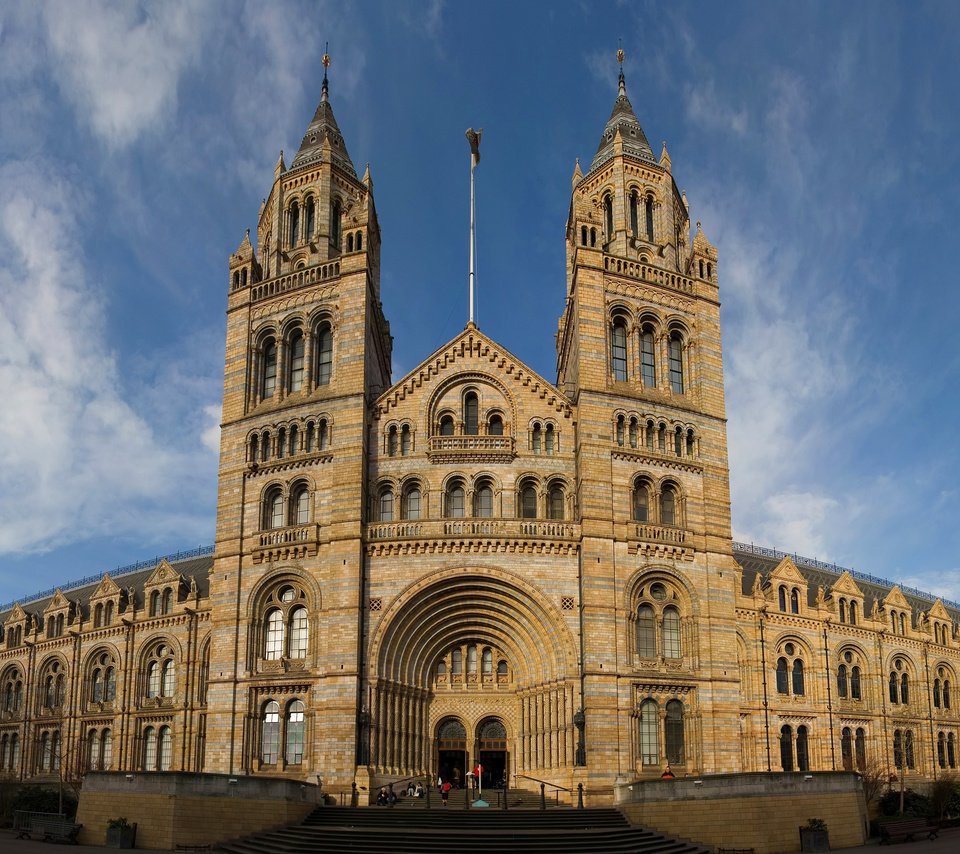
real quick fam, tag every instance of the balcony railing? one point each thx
(439, 529)
(283, 543)
(293, 281)
(661, 534)
(484, 447)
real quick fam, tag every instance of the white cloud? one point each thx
(706, 109)
(210, 437)
(119, 64)
(76, 459)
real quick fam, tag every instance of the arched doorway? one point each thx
(491, 751)
(450, 752)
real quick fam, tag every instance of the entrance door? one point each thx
(451, 751)
(492, 751)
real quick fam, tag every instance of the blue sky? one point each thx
(816, 143)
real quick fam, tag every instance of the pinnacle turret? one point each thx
(624, 121)
(323, 128)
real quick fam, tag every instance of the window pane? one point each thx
(302, 507)
(842, 681)
(294, 752)
(803, 760)
(618, 347)
(846, 749)
(786, 748)
(646, 632)
(667, 507)
(411, 503)
(270, 736)
(150, 749)
(556, 503)
(166, 748)
(649, 733)
(153, 679)
(324, 355)
(782, 683)
(674, 732)
(528, 502)
(676, 365)
(471, 424)
(296, 362)
(405, 440)
(484, 502)
(386, 505)
(671, 633)
(798, 678)
(269, 369)
(168, 679)
(298, 633)
(455, 508)
(648, 365)
(855, 683)
(274, 640)
(641, 503)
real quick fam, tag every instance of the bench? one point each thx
(906, 829)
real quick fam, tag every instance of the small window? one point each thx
(405, 440)
(410, 508)
(495, 426)
(483, 501)
(618, 349)
(446, 425)
(269, 368)
(385, 512)
(528, 502)
(608, 216)
(455, 502)
(556, 502)
(795, 601)
(648, 364)
(668, 506)
(296, 360)
(471, 422)
(648, 211)
(634, 218)
(641, 503)
(324, 354)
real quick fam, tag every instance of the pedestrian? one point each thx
(667, 774)
(445, 792)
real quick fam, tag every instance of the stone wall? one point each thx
(173, 809)
(759, 811)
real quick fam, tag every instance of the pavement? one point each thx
(947, 843)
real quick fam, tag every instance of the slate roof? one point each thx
(634, 139)
(756, 560)
(191, 565)
(323, 127)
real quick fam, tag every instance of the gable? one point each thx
(106, 587)
(787, 571)
(58, 602)
(845, 586)
(163, 574)
(939, 612)
(896, 599)
(472, 352)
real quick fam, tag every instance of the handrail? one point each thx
(545, 782)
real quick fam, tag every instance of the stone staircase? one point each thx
(440, 830)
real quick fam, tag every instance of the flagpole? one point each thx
(473, 137)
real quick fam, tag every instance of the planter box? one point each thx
(122, 837)
(814, 840)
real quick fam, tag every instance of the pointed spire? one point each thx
(367, 179)
(323, 128)
(665, 161)
(280, 167)
(577, 173)
(624, 120)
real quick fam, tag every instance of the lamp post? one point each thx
(580, 722)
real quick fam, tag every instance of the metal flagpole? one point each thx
(473, 137)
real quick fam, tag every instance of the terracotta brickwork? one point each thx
(472, 562)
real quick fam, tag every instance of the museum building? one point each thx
(474, 563)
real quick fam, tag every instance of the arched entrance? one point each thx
(492, 753)
(450, 751)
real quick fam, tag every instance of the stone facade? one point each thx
(473, 563)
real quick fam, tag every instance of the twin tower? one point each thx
(474, 564)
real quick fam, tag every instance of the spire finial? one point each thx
(326, 65)
(622, 83)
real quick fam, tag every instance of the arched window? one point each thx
(634, 432)
(359, 240)
(646, 632)
(894, 689)
(166, 748)
(310, 222)
(782, 598)
(293, 441)
(618, 348)
(300, 505)
(641, 502)
(951, 752)
(634, 214)
(350, 243)
(936, 693)
(671, 633)
(385, 505)
(782, 680)
(167, 601)
(860, 747)
(393, 442)
(798, 685)
(803, 754)
(323, 434)
(153, 679)
(98, 615)
(846, 749)
(456, 661)
(446, 425)
(486, 661)
(294, 223)
(795, 601)
(678, 441)
(648, 211)
(843, 610)
(93, 750)
(298, 633)
(946, 693)
(110, 685)
(668, 506)
(269, 376)
(904, 689)
(528, 501)
(149, 749)
(472, 658)
(620, 430)
(471, 414)
(842, 681)
(674, 732)
(536, 438)
(455, 503)
(908, 748)
(273, 509)
(786, 748)
(483, 501)
(853, 613)
(556, 502)
(155, 603)
(295, 733)
(651, 429)
(405, 440)
(583, 235)
(495, 425)
(608, 216)
(942, 749)
(296, 361)
(167, 678)
(593, 237)
(335, 223)
(548, 439)
(274, 641)
(324, 353)
(676, 363)
(893, 621)
(855, 683)
(270, 734)
(410, 507)
(649, 733)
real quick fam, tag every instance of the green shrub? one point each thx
(914, 804)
